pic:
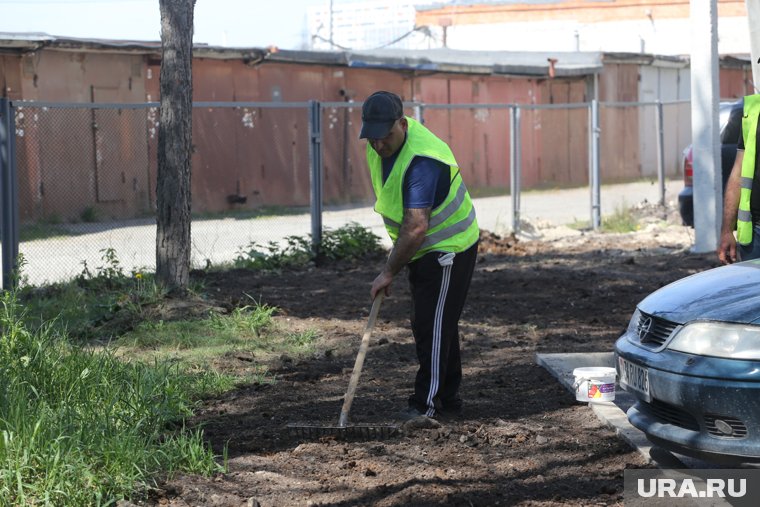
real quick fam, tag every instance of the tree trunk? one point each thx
(175, 145)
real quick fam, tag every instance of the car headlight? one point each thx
(732, 341)
(633, 324)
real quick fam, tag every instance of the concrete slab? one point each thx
(612, 413)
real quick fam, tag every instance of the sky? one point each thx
(233, 23)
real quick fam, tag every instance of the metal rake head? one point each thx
(348, 432)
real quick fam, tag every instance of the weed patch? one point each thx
(350, 242)
(81, 427)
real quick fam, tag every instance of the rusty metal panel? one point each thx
(564, 135)
(733, 84)
(480, 136)
(26, 145)
(10, 76)
(75, 160)
(28, 165)
(212, 80)
(121, 156)
(619, 142)
(251, 157)
(67, 165)
(495, 129)
(213, 161)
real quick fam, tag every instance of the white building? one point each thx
(661, 27)
(371, 24)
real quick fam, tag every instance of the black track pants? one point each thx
(439, 284)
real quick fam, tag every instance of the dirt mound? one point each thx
(495, 244)
(522, 439)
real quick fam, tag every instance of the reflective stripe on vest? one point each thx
(749, 134)
(442, 215)
(453, 225)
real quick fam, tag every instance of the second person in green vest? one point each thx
(741, 202)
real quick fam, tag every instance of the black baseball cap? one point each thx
(379, 112)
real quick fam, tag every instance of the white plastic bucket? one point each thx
(594, 383)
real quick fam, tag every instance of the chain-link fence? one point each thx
(85, 173)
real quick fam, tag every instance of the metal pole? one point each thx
(419, 113)
(514, 165)
(753, 15)
(8, 193)
(705, 131)
(332, 44)
(596, 207)
(315, 158)
(660, 152)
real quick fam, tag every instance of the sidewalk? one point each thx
(562, 207)
(220, 241)
(613, 413)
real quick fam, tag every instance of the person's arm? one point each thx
(411, 236)
(727, 247)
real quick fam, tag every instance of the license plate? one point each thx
(634, 378)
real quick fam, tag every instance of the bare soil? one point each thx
(522, 439)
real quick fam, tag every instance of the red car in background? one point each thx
(730, 119)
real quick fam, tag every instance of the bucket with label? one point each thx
(594, 383)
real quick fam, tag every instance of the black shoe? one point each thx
(450, 412)
(409, 413)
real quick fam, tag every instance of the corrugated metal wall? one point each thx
(73, 161)
(619, 146)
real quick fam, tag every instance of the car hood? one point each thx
(729, 293)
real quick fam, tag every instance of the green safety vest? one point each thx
(749, 134)
(453, 226)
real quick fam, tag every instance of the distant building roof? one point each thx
(484, 62)
(536, 63)
(432, 5)
(36, 40)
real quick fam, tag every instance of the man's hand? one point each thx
(727, 248)
(410, 237)
(382, 283)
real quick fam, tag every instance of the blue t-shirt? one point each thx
(426, 182)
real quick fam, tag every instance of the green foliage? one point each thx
(249, 331)
(272, 256)
(89, 215)
(90, 425)
(80, 427)
(303, 339)
(43, 230)
(622, 220)
(349, 242)
(247, 319)
(110, 272)
(91, 298)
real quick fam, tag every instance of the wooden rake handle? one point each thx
(357, 371)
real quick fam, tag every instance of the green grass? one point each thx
(621, 221)
(43, 230)
(95, 390)
(82, 427)
(245, 214)
(250, 331)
